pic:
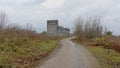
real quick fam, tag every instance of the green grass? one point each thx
(26, 55)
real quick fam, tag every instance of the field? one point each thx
(21, 48)
(27, 55)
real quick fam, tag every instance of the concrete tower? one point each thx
(52, 26)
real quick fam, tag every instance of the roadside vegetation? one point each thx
(105, 47)
(22, 47)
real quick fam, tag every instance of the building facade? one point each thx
(53, 29)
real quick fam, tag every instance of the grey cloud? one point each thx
(35, 13)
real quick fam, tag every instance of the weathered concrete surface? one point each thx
(71, 55)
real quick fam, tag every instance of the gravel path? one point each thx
(71, 55)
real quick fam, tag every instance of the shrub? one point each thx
(88, 28)
(100, 42)
(109, 33)
(107, 42)
(115, 46)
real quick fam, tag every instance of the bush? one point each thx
(107, 42)
(109, 33)
(115, 46)
(88, 28)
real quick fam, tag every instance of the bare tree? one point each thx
(88, 28)
(79, 27)
(3, 20)
(29, 27)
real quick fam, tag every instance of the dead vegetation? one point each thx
(89, 28)
(22, 47)
(108, 42)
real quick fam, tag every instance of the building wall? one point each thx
(52, 26)
(53, 29)
(62, 32)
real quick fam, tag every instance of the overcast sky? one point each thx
(36, 12)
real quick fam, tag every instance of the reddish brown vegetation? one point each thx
(108, 42)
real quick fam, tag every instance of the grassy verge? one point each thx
(108, 58)
(25, 56)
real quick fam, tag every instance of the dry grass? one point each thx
(21, 48)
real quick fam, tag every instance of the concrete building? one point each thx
(53, 29)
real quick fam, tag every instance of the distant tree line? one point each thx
(10, 31)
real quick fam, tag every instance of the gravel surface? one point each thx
(71, 55)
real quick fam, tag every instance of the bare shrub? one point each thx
(88, 28)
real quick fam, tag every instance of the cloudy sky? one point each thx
(36, 12)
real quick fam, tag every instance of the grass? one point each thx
(25, 56)
(108, 58)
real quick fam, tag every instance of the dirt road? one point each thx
(71, 55)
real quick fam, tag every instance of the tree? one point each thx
(43, 33)
(88, 28)
(3, 20)
(109, 33)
